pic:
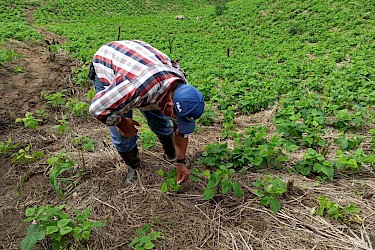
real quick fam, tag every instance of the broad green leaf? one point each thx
(52, 229)
(63, 222)
(226, 185)
(275, 205)
(135, 241)
(86, 235)
(237, 189)
(154, 235)
(329, 171)
(351, 209)
(149, 245)
(77, 230)
(164, 187)
(213, 181)
(160, 172)
(342, 143)
(86, 225)
(145, 239)
(28, 242)
(208, 193)
(65, 230)
(30, 211)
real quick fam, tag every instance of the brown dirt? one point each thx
(185, 219)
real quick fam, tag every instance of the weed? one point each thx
(145, 238)
(63, 126)
(60, 163)
(170, 181)
(23, 156)
(57, 226)
(218, 181)
(268, 190)
(348, 143)
(85, 143)
(7, 146)
(345, 214)
(29, 121)
(54, 99)
(77, 108)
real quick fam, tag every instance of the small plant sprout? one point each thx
(7, 146)
(268, 190)
(218, 182)
(77, 108)
(41, 113)
(145, 238)
(29, 120)
(54, 99)
(85, 143)
(60, 163)
(170, 181)
(62, 229)
(23, 156)
(345, 214)
(63, 125)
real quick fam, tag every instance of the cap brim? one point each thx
(185, 127)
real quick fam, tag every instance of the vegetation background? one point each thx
(290, 93)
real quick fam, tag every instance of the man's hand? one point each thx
(182, 173)
(126, 127)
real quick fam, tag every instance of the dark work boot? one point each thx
(168, 147)
(132, 160)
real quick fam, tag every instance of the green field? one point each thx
(289, 91)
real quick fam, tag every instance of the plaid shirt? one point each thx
(135, 75)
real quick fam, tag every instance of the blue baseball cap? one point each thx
(189, 106)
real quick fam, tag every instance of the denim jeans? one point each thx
(158, 123)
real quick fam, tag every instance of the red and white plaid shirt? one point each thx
(135, 75)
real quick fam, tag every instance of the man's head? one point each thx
(188, 106)
(184, 103)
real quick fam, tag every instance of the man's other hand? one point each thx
(126, 127)
(182, 173)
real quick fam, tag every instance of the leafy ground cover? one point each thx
(283, 156)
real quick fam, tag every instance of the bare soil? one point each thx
(185, 219)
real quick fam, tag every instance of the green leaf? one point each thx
(237, 189)
(160, 172)
(342, 142)
(213, 181)
(275, 205)
(86, 235)
(28, 242)
(135, 241)
(329, 171)
(65, 230)
(86, 225)
(63, 222)
(149, 245)
(52, 229)
(30, 211)
(145, 239)
(77, 230)
(351, 209)
(154, 235)
(208, 193)
(97, 224)
(226, 185)
(164, 187)
(34, 233)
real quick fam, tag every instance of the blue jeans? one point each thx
(158, 123)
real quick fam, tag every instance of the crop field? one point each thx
(283, 156)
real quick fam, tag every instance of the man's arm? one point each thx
(180, 143)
